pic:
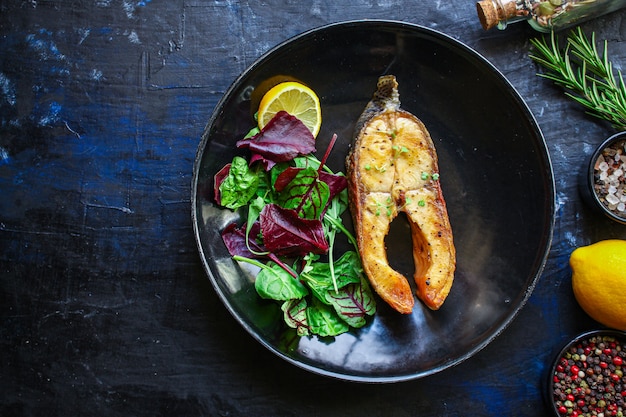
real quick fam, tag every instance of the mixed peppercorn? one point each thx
(589, 378)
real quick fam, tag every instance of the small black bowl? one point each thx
(595, 335)
(588, 178)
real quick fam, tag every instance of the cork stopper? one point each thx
(492, 13)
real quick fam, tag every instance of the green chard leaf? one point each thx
(294, 313)
(240, 184)
(302, 191)
(352, 300)
(274, 283)
(319, 279)
(353, 303)
(323, 320)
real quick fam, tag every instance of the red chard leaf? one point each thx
(267, 164)
(300, 189)
(284, 178)
(235, 240)
(282, 139)
(217, 181)
(352, 304)
(336, 183)
(295, 315)
(287, 234)
(313, 201)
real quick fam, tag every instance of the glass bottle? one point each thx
(543, 15)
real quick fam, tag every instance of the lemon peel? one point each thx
(599, 281)
(296, 99)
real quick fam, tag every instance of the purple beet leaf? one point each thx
(336, 183)
(284, 178)
(287, 234)
(217, 181)
(282, 139)
(235, 240)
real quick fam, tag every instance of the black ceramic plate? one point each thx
(495, 173)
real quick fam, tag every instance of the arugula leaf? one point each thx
(254, 211)
(339, 204)
(332, 222)
(332, 217)
(238, 185)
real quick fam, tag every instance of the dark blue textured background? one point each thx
(104, 306)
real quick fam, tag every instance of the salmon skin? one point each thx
(392, 167)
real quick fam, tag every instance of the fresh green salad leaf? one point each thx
(347, 270)
(294, 312)
(324, 321)
(240, 184)
(302, 191)
(353, 303)
(274, 283)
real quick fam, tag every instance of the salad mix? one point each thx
(294, 205)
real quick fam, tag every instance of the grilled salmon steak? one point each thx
(392, 168)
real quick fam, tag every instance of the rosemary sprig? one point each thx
(586, 75)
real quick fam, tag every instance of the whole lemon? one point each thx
(599, 281)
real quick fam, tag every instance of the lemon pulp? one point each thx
(296, 99)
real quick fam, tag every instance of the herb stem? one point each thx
(329, 148)
(585, 74)
(341, 227)
(331, 264)
(263, 266)
(250, 261)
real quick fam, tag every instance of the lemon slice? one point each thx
(294, 98)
